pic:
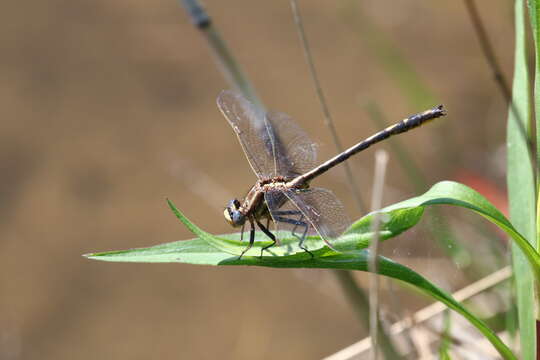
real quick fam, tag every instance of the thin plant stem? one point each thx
(446, 336)
(498, 76)
(429, 312)
(381, 162)
(444, 236)
(229, 67)
(360, 302)
(356, 296)
(328, 120)
(232, 72)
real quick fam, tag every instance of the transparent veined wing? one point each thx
(273, 143)
(251, 128)
(294, 151)
(323, 210)
(318, 208)
(288, 220)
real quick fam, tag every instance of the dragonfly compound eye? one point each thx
(233, 215)
(238, 219)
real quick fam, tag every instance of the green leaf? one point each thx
(520, 179)
(357, 237)
(534, 16)
(224, 249)
(199, 251)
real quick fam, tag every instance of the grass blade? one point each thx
(226, 63)
(201, 251)
(521, 187)
(534, 16)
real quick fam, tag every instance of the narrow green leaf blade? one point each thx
(534, 16)
(520, 180)
(357, 237)
(224, 249)
(452, 193)
(198, 251)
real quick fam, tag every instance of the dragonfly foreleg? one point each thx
(251, 238)
(297, 223)
(267, 233)
(242, 232)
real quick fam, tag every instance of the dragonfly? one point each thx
(283, 158)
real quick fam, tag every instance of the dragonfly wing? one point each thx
(323, 210)
(287, 218)
(253, 131)
(295, 153)
(307, 212)
(273, 143)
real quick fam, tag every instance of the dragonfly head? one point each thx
(233, 215)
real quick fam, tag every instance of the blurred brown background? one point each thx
(109, 107)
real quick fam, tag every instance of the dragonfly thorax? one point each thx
(253, 206)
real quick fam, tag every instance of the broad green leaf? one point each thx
(521, 187)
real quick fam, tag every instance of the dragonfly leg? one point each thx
(251, 239)
(297, 223)
(267, 233)
(299, 220)
(301, 244)
(286, 212)
(242, 232)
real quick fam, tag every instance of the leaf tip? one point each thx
(171, 206)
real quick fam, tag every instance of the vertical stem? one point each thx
(328, 120)
(521, 187)
(491, 58)
(229, 67)
(351, 289)
(534, 16)
(381, 162)
(360, 304)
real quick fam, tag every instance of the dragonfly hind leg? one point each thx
(304, 234)
(296, 223)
